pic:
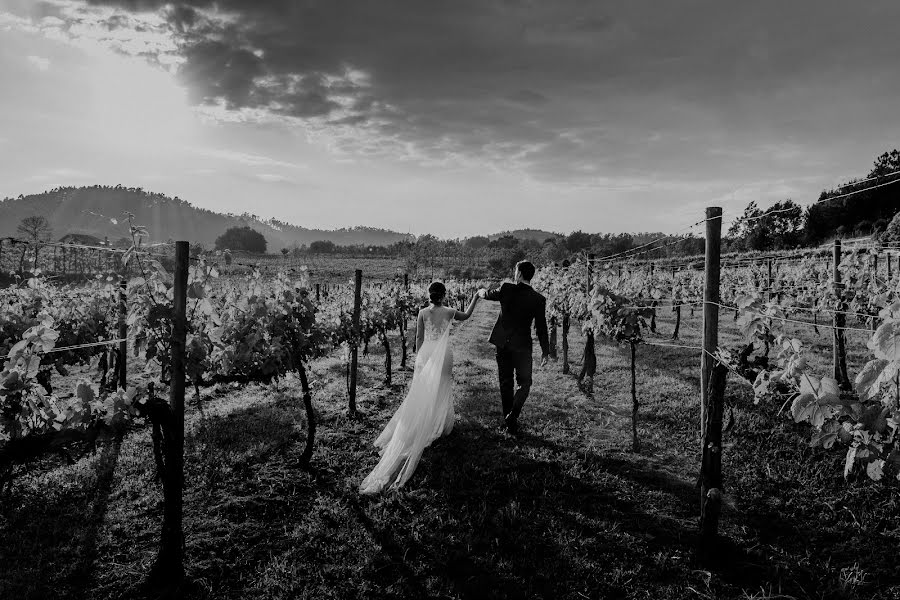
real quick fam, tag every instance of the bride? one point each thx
(427, 412)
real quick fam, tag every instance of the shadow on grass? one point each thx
(503, 524)
(50, 534)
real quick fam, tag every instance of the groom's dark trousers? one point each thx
(520, 306)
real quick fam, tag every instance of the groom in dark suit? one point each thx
(520, 305)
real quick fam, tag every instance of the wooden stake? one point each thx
(354, 349)
(123, 333)
(711, 301)
(635, 444)
(712, 386)
(590, 273)
(169, 568)
(839, 343)
(711, 484)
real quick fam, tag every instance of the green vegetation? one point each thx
(565, 511)
(242, 239)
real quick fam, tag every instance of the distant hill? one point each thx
(526, 234)
(99, 211)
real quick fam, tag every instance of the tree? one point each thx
(578, 241)
(530, 245)
(507, 242)
(35, 229)
(892, 233)
(780, 226)
(886, 163)
(322, 247)
(609, 244)
(476, 242)
(242, 238)
(552, 252)
(857, 201)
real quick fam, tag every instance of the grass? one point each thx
(564, 511)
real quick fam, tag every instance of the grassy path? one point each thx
(563, 511)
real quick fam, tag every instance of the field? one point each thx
(564, 511)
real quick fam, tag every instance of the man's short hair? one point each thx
(526, 269)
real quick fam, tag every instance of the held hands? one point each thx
(543, 360)
(481, 292)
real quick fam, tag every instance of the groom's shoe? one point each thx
(511, 425)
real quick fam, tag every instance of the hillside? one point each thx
(526, 234)
(100, 211)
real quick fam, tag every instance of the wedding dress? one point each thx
(425, 414)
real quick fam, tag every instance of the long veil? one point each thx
(425, 414)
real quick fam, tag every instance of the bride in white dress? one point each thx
(427, 412)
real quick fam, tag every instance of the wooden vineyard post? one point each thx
(712, 388)
(652, 302)
(888, 260)
(403, 317)
(318, 292)
(873, 279)
(122, 362)
(839, 322)
(711, 484)
(354, 347)
(676, 302)
(769, 281)
(590, 274)
(710, 300)
(553, 337)
(589, 359)
(169, 568)
(635, 444)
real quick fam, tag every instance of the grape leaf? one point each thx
(885, 343)
(875, 470)
(868, 379)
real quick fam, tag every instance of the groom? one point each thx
(519, 306)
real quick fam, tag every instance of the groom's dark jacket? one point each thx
(520, 305)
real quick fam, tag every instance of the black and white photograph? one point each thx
(449, 299)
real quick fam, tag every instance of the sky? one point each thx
(454, 118)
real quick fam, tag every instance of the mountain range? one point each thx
(101, 212)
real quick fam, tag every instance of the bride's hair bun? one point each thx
(437, 292)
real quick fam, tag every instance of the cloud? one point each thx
(570, 92)
(273, 178)
(40, 63)
(244, 158)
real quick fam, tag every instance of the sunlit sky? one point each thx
(453, 118)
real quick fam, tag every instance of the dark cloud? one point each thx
(515, 78)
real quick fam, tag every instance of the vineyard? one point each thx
(151, 348)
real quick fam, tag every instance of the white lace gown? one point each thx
(425, 414)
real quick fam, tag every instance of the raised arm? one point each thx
(494, 294)
(420, 330)
(462, 316)
(540, 323)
